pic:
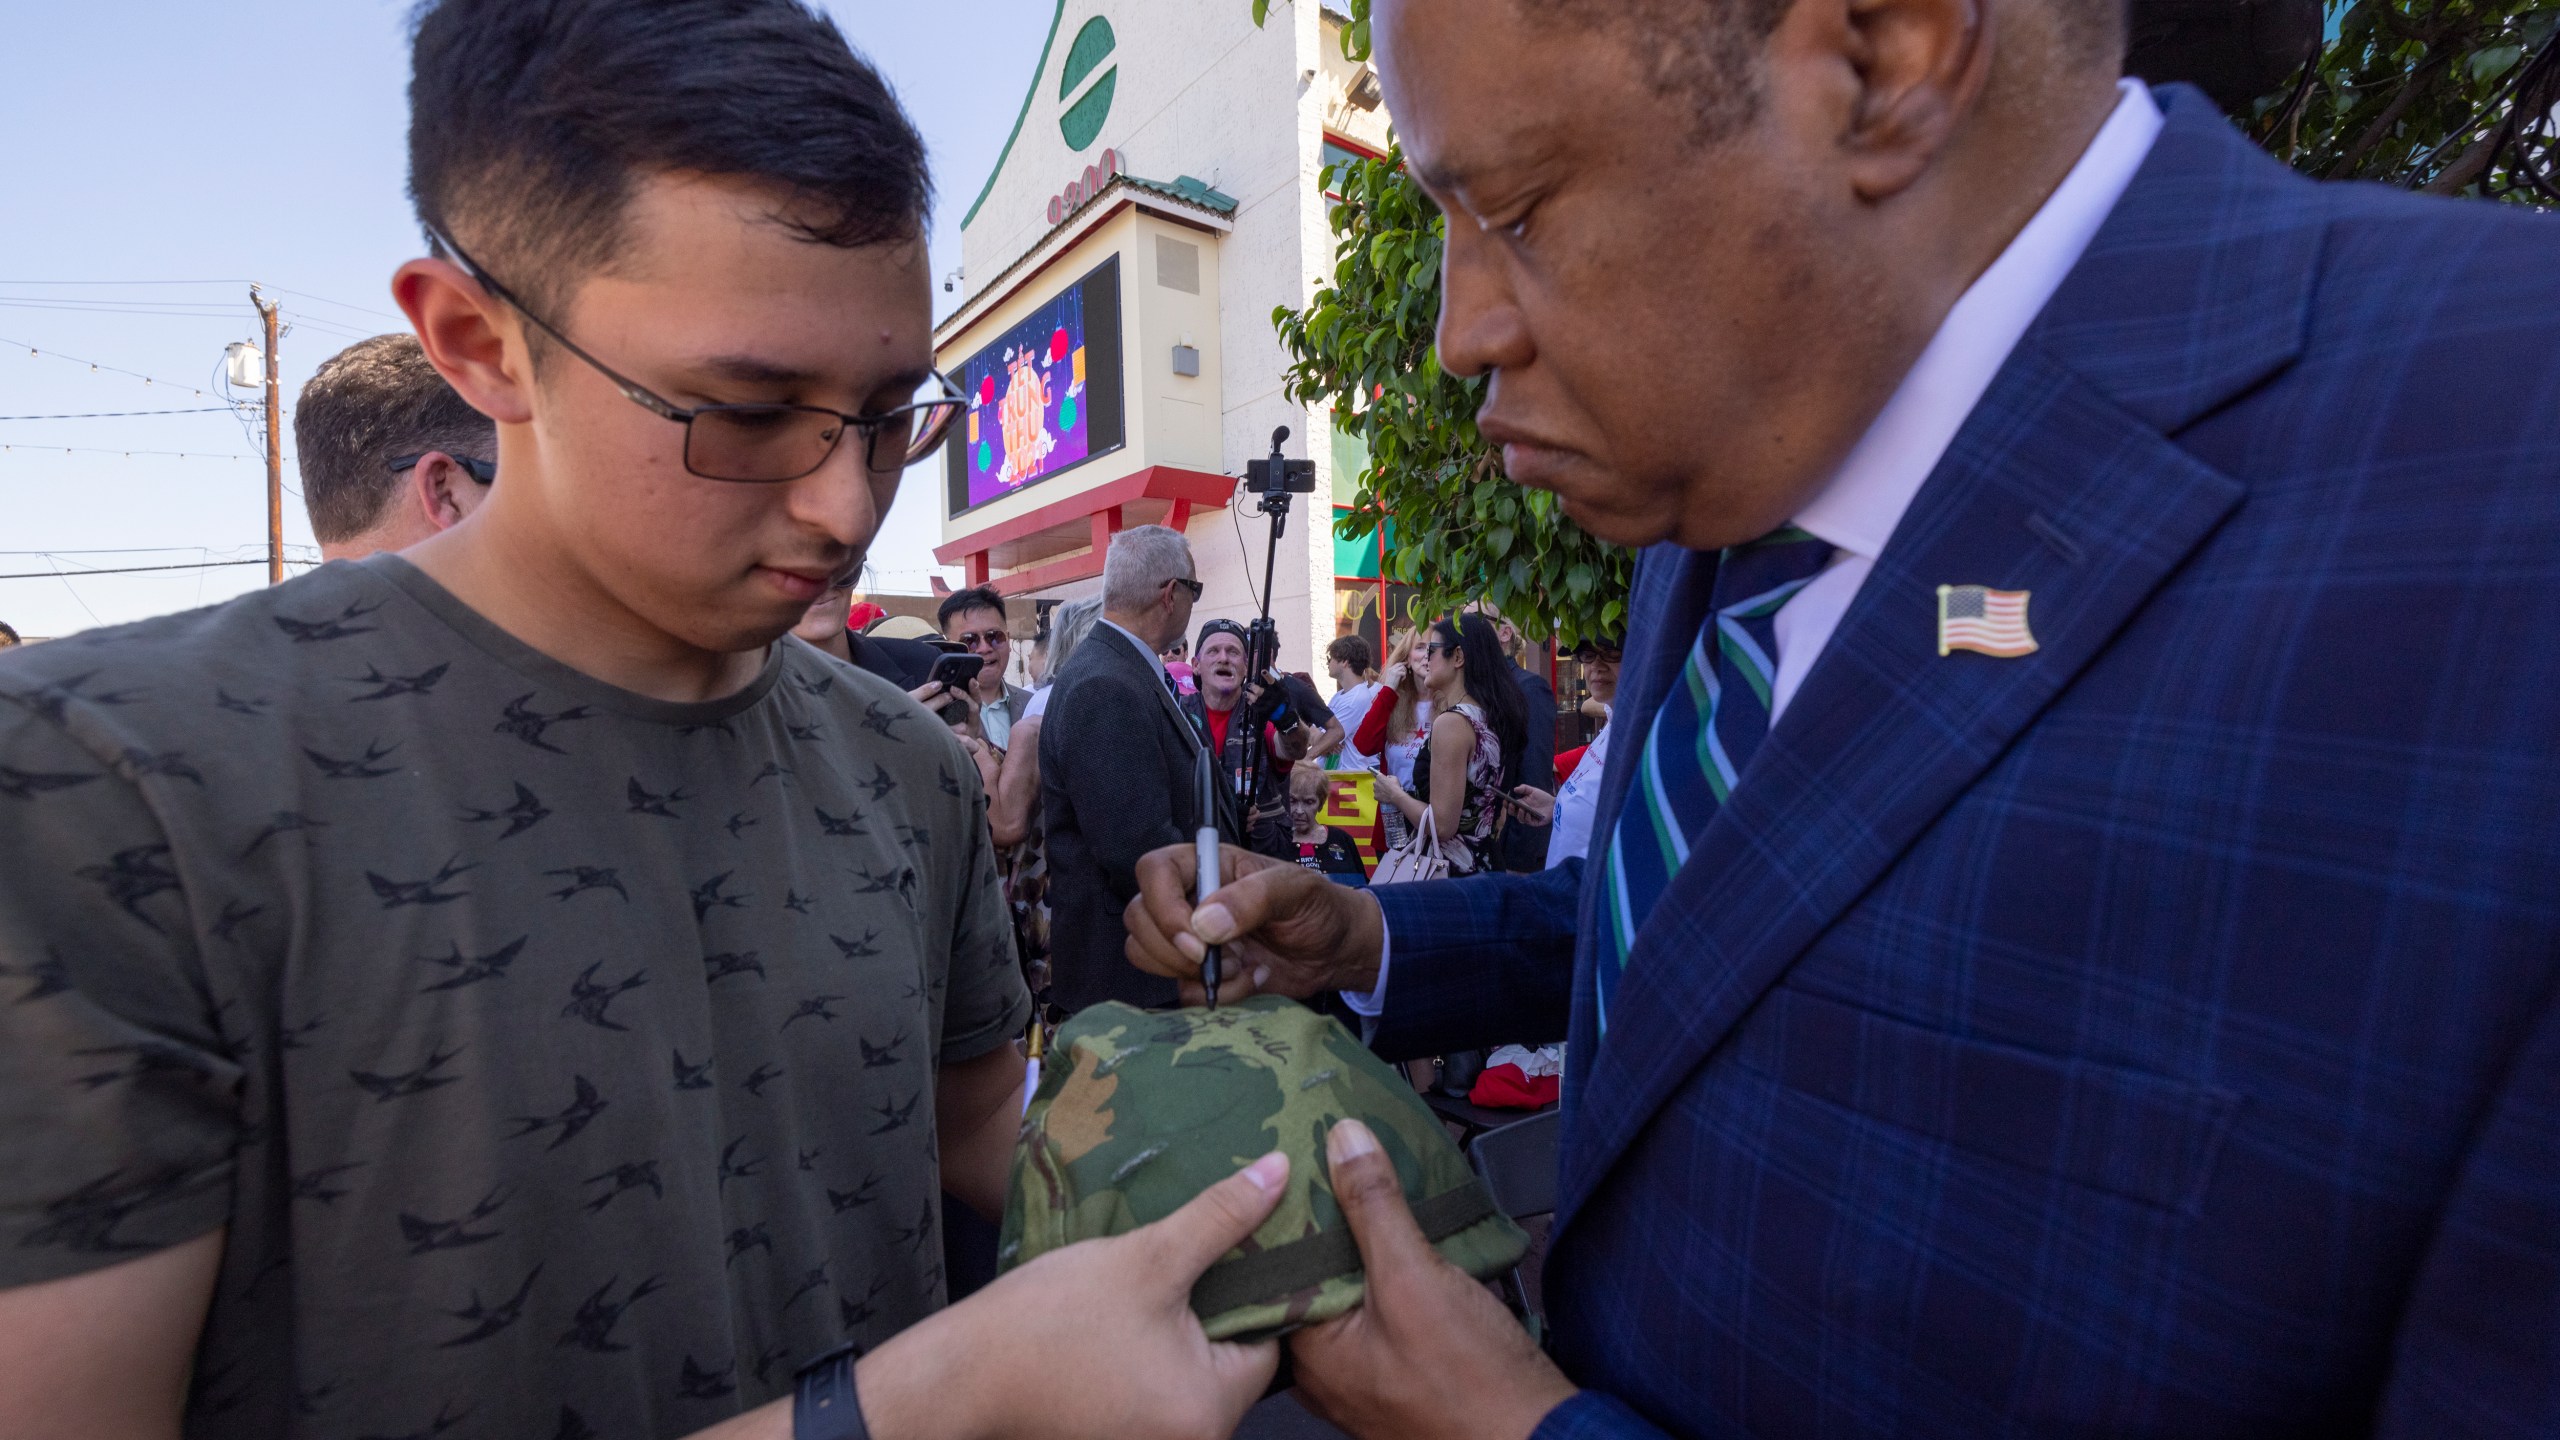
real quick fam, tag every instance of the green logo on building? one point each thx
(1083, 120)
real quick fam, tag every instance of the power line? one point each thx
(111, 450)
(141, 284)
(124, 414)
(138, 569)
(151, 550)
(95, 365)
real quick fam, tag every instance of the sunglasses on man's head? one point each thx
(480, 470)
(767, 444)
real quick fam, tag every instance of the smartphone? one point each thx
(957, 671)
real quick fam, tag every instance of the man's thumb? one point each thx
(1372, 1200)
(1220, 1217)
(1238, 908)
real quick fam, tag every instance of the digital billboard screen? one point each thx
(1044, 396)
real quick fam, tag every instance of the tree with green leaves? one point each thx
(2450, 96)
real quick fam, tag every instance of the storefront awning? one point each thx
(1066, 541)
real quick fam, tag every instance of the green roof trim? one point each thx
(1023, 114)
(1188, 189)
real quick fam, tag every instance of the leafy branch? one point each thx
(2451, 96)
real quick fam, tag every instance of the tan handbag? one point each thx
(1418, 858)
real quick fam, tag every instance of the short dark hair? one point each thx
(8, 635)
(1706, 52)
(530, 120)
(1488, 681)
(366, 406)
(961, 602)
(1353, 651)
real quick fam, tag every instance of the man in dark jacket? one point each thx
(1119, 769)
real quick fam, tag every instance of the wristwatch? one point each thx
(824, 1405)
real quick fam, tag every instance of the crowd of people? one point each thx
(559, 969)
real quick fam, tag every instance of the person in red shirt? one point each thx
(1257, 766)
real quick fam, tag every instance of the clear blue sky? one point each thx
(265, 140)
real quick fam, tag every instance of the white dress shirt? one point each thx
(1864, 500)
(1577, 801)
(1858, 510)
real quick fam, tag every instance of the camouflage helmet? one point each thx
(1139, 1111)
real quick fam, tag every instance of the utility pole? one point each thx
(275, 445)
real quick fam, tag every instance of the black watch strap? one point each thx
(824, 1405)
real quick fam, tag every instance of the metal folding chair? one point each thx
(1517, 1163)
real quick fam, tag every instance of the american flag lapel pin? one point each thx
(1984, 621)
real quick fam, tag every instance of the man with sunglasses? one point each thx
(510, 984)
(389, 454)
(974, 620)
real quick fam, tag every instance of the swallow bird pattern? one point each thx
(489, 1116)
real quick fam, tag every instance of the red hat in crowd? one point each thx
(863, 616)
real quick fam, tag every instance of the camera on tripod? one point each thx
(1280, 475)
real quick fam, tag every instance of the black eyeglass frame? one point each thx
(1196, 588)
(481, 470)
(929, 439)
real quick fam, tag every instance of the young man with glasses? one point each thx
(511, 985)
(974, 619)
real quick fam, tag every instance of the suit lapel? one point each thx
(2062, 484)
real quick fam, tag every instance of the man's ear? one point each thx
(469, 337)
(443, 490)
(1919, 68)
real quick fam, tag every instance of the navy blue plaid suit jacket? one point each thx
(2155, 1035)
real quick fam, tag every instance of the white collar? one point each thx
(1865, 499)
(1152, 657)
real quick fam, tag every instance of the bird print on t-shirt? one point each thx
(577, 1115)
(396, 893)
(646, 802)
(486, 1319)
(386, 1088)
(600, 1312)
(363, 767)
(386, 687)
(336, 627)
(473, 969)
(529, 725)
(426, 1235)
(526, 812)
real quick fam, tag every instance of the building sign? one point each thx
(1043, 396)
(1084, 187)
(1082, 120)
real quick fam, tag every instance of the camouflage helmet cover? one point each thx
(1139, 1111)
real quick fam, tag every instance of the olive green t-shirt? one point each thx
(560, 1061)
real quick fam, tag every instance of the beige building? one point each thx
(1158, 199)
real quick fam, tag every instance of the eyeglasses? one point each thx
(976, 638)
(480, 470)
(767, 444)
(1195, 587)
(1435, 649)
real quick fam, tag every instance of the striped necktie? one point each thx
(1702, 738)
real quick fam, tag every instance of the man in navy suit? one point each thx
(2072, 933)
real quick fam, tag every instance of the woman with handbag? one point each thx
(1479, 723)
